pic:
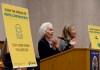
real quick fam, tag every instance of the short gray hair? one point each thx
(43, 28)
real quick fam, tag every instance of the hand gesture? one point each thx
(73, 42)
(54, 43)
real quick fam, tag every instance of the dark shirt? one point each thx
(45, 50)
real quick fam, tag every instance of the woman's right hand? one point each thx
(54, 43)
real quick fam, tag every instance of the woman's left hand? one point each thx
(73, 42)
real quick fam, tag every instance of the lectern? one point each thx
(73, 59)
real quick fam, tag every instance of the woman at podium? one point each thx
(46, 46)
(68, 39)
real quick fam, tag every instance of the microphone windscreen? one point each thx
(60, 37)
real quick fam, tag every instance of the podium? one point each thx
(73, 59)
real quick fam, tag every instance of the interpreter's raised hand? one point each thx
(73, 41)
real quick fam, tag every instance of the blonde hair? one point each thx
(67, 30)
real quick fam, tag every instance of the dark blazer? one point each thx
(45, 50)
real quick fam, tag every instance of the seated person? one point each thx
(46, 46)
(69, 34)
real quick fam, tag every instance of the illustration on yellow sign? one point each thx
(19, 34)
(94, 33)
(98, 44)
(16, 21)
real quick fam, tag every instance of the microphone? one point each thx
(65, 39)
(61, 38)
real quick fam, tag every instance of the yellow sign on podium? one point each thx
(94, 33)
(16, 20)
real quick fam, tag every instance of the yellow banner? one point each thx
(94, 33)
(16, 20)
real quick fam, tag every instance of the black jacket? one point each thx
(44, 49)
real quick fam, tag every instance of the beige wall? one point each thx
(80, 13)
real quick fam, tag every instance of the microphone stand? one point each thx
(90, 45)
